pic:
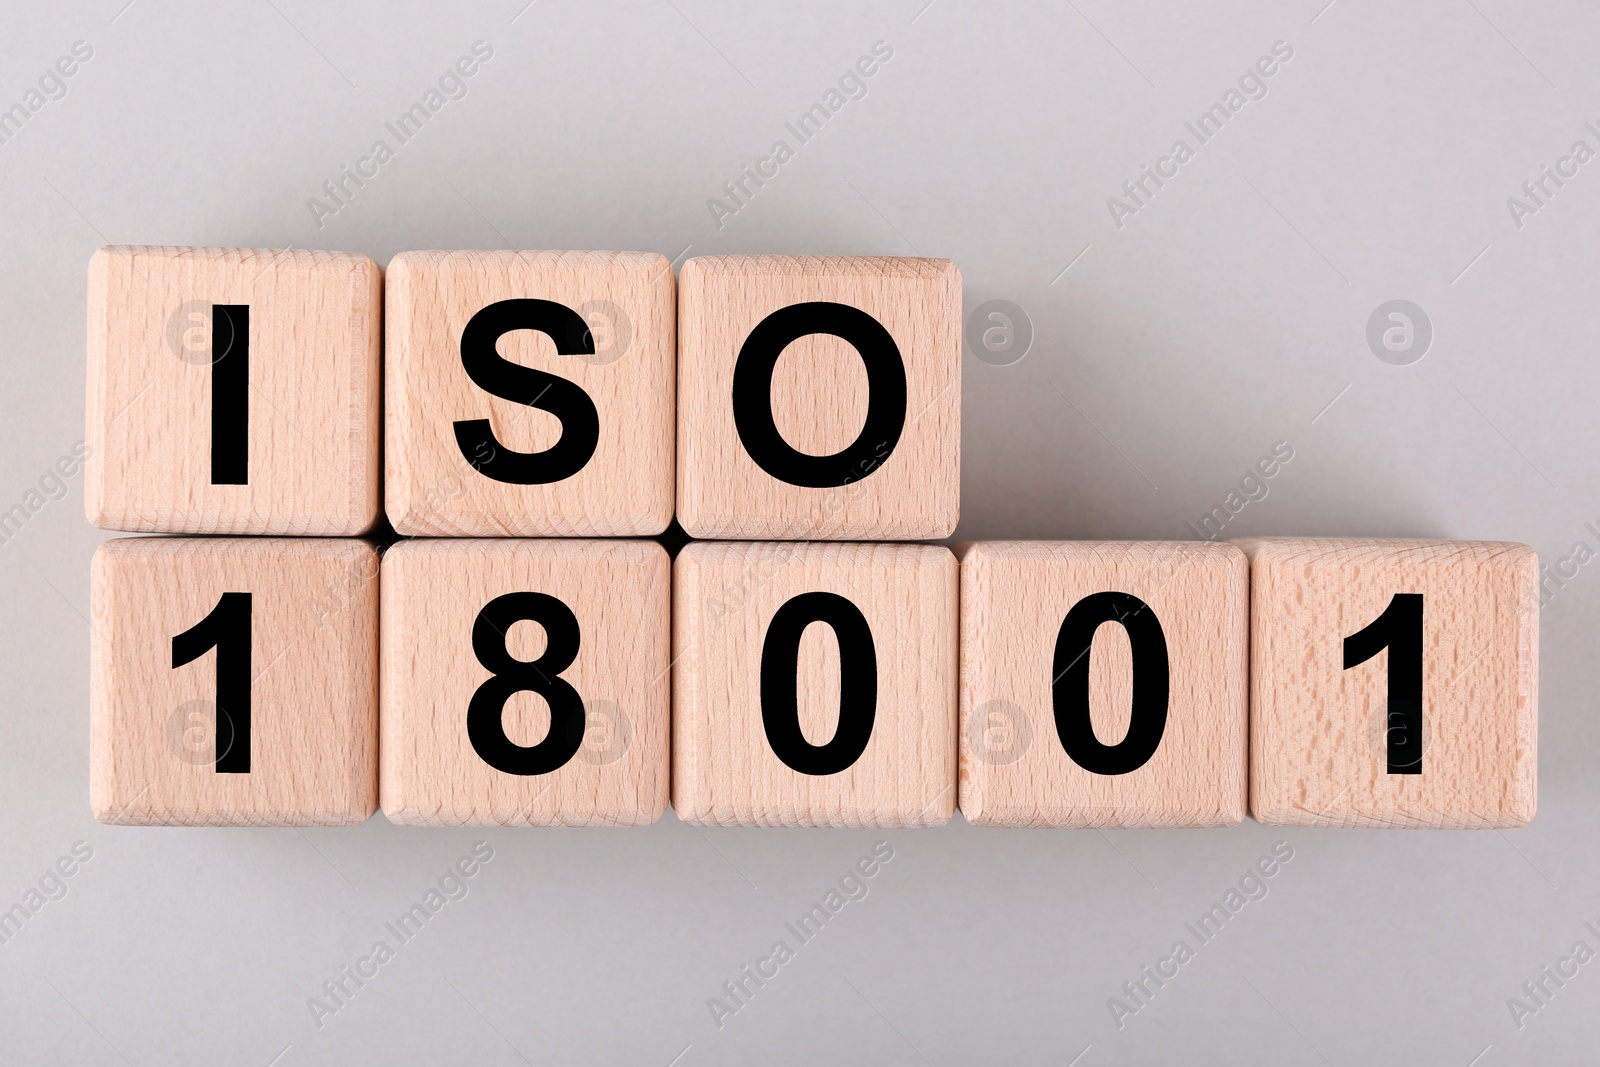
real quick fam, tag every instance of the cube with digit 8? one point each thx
(525, 682)
(1393, 683)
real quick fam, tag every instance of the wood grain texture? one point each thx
(819, 398)
(625, 489)
(314, 694)
(1014, 768)
(724, 772)
(1318, 741)
(620, 593)
(314, 368)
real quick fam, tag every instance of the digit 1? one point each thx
(230, 394)
(752, 394)
(1399, 629)
(485, 725)
(1070, 689)
(226, 629)
(858, 683)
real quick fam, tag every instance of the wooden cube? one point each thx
(233, 390)
(525, 683)
(234, 682)
(779, 722)
(1103, 683)
(1393, 683)
(819, 397)
(529, 393)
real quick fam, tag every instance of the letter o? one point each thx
(752, 393)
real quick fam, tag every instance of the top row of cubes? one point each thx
(526, 394)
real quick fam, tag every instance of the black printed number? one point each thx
(752, 394)
(485, 726)
(230, 394)
(580, 422)
(226, 629)
(1399, 629)
(858, 683)
(1151, 682)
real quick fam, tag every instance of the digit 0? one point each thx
(858, 683)
(1070, 688)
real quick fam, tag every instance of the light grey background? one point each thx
(1171, 352)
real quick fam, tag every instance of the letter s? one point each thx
(580, 422)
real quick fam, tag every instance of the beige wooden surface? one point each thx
(313, 394)
(625, 489)
(819, 398)
(433, 590)
(725, 773)
(1014, 769)
(1318, 742)
(314, 693)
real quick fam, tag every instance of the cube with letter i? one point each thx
(233, 391)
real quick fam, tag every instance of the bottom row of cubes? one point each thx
(280, 681)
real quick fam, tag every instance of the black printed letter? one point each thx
(752, 394)
(580, 423)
